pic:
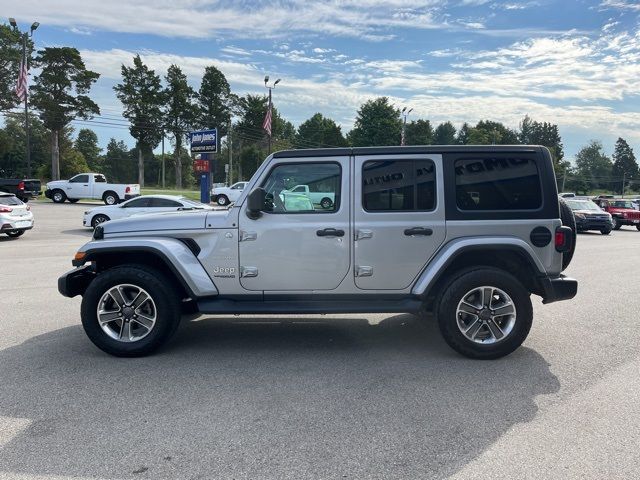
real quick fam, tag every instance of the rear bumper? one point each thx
(558, 288)
(76, 281)
(129, 196)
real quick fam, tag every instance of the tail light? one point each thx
(127, 190)
(563, 239)
(21, 186)
(5, 209)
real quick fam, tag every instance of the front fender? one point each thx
(176, 254)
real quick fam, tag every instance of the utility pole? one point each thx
(624, 178)
(25, 38)
(163, 184)
(405, 114)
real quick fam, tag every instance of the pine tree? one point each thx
(378, 123)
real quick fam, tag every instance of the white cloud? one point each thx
(621, 4)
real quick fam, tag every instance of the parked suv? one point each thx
(467, 233)
(623, 212)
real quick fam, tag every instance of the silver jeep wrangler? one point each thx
(467, 233)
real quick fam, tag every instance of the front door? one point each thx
(78, 187)
(399, 218)
(296, 245)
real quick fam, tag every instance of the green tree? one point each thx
(445, 134)
(10, 56)
(252, 109)
(418, 132)
(60, 93)
(13, 145)
(462, 138)
(542, 133)
(142, 96)
(87, 144)
(320, 131)
(377, 123)
(180, 114)
(215, 101)
(117, 164)
(250, 159)
(496, 133)
(624, 162)
(593, 166)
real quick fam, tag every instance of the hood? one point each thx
(56, 183)
(170, 221)
(590, 212)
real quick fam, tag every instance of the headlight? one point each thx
(580, 216)
(87, 212)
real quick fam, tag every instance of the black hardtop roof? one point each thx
(335, 152)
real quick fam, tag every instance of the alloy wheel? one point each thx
(127, 313)
(486, 315)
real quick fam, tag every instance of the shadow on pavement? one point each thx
(230, 398)
(84, 232)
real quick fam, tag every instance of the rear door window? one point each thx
(398, 185)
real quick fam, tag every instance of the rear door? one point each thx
(399, 218)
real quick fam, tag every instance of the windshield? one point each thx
(622, 204)
(583, 205)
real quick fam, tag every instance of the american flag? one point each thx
(21, 86)
(267, 120)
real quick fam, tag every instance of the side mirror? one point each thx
(255, 203)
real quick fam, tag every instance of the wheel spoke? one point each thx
(116, 294)
(146, 322)
(466, 307)
(106, 316)
(506, 309)
(125, 331)
(495, 329)
(487, 296)
(140, 299)
(473, 329)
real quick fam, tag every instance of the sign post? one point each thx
(204, 143)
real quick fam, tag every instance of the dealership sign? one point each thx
(204, 141)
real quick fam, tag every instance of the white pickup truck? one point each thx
(324, 199)
(90, 185)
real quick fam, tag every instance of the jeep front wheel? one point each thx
(617, 224)
(485, 313)
(130, 311)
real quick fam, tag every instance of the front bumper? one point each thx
(558, 288)
(593, 224)
(76, 281)
(47, 193)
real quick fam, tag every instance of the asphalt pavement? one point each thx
(350, 396)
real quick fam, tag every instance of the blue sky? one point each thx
(571, 62)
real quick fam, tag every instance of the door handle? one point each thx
(330, 232)
(411, 232)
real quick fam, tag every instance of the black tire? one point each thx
(157, 285)
(568, 220)
(98, 219)
(456, 290)
(222, 200)
(73, 200)
(15, 234)
(58, 196)
(110, 198)
(605, 231)
(326, 203)
(617, 225)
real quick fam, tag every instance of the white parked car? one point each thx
(139, 206)
(223, 196)
(15, 215)
(90, 185)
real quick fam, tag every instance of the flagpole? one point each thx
(271, 121)
(26, 107)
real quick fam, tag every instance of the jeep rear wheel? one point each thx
(484, 313)
(130, 311)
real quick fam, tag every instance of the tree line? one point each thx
(158, 106)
